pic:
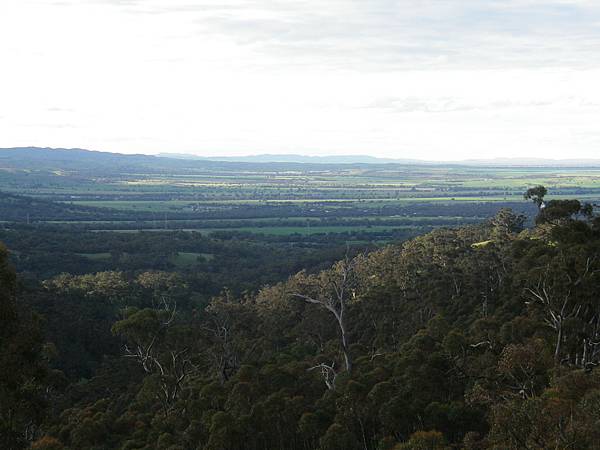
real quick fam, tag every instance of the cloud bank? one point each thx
(430, 79)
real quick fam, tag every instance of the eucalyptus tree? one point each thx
(333, 290)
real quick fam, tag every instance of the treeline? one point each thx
(482, 337)
(16, 210)
(402, 221)
(24, 209)
(236, 261)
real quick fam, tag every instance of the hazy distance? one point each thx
(426, 80)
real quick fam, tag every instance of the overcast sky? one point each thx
(428, 79)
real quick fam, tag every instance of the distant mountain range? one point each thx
(302, 159)
(25, 157)
(530, 162)
(366, 159)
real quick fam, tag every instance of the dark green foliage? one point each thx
(482, 337)
(23, 376)
(557, 211)
(536, 194)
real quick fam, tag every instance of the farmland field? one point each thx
(345, 201)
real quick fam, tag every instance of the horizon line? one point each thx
(382, 159)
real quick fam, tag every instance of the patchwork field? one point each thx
(347, 201)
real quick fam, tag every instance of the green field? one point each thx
(285, 200)
(96, 256)
(187, 259)
(176, 205)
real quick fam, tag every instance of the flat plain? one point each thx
(351, 201)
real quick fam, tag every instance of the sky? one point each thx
(424, 79)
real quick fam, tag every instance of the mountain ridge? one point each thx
(50, 153)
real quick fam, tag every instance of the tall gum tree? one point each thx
(331, 290)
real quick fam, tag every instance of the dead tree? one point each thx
(221, 351)
(560, 298)
(148, 342)
(332, 290)
(228, 334)
(328, 373)
(558, 308)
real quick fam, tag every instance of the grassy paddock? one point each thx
(274, 199)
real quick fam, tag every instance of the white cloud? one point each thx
(416, 78)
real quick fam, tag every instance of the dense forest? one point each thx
(485, 336)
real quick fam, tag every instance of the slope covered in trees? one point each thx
(481, 337)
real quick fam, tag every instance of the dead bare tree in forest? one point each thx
(328, 372)
(560, 295)
(152, 342)
(332, 290)
(221, 352)
(558, 309)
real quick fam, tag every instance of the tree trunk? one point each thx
(345, 350)
(558, 344)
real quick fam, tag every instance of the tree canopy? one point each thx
(479, 337)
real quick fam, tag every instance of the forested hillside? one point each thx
(480, 337)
